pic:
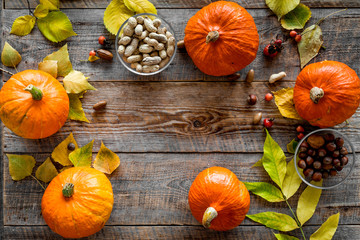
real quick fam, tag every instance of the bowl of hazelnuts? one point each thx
(324, 154)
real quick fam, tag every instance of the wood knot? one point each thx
(197, 124)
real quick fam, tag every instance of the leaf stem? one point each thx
(31, 12)
(322, 19)
(6, 71)
(38, 182)
(296, 219)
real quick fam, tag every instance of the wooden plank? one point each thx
(340, 46)
(152, 189)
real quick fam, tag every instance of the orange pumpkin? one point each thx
(327, 93)
(221, 38)
(78, 202)
(218, 199)
(33, 104)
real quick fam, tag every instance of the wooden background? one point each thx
(149, 123)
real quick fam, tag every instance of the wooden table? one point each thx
(149, 123)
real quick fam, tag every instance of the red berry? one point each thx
(293, 34)
(300, 129)
(269, 97)
(268, 122)
(92, 53)
(300, 136)
(270, 51)
(298, 38)
(278, 42)
(102, 40)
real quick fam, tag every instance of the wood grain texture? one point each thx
(340, 45)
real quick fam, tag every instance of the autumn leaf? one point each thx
(307, 202)
(49, 66)
(82, 157)
(310, 44)
(76, 82)
(285, 103)
(63, 61)
(297, 18)
(106, 161)
(9, 56)
(140, 6)
(291, 146)
(274, 220)
(56, 26)
(51, 4)
(76, 111)
(258, 163)
(327, 229)
(115, 15)
(20, 166)
(265, 190)
(282, 7)
(23, 25)
(93, 58)
(46, 171)
(41, 11)
(292, 181)
(61, 151)
(280, 236)
(64, 168)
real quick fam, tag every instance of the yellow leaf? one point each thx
(23, 25)
(327, 229)
(93, 58)
(63, 61)
(49, 66)
(106, 161)
(307, 202)
(61, 152)
(140, 6)
(41, 11)
(292, 181)
(284, 102)
(46, 171)
(51, 4)
(76, 82)
(82, 157)
(9, 56)
(64, 168)
(20, 166)
(115, 15)
(76, 111)
(282, 7)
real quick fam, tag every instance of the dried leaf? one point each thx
(291, 146)
(46, 171)
(297, 18)
(64, 168)
(327, 229)
(292, 181)
(140, 6)
(310, 44)
(307, 202)
(49, 66)
(51, 4)
(63, 61)
(76, 111)
(41, 11)
(9, 56)
(284, 237)
(23, 25)
(115, 15)
(61, 152)
(82, 157)
(20, 166)
(265, 190)
(282, 7)
(274, 160)
(93, 58)
(76, 82)
(284, 102)
(274, 220)
(106, 161)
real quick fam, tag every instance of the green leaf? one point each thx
(284, 237)
(291, 146)
(106, 161)
(115, 15)
(82, 157)
(76, 111)
(46, 171)
(297, 18)
(307, 202)
(292, 181)
(61, 151)
(140, 6)
(56, 26)
(258, 163)
(274, 160)
(274, 220)
(9, 56)
(76, 82)
(20, 166)
(23, 25)
(265, 190)
(284, 100)
(310, 44)
(49, 66)
(63, 61)
(328, 229)
(41, 11)
(51, 4)
(282, 7)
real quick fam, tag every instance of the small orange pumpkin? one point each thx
(327, 93)
(33, 104)
(221, 38)
(218, 199)
(78, 202)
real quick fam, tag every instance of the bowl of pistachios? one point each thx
(146, 44)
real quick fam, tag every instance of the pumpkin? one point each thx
(327, 93)
(218, 199)
(33, 104)
(78, 202)
(221, 38)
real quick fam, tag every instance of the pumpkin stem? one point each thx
(68, 190)
(35, 92)
(316, 94)
(212, 36)
(209, 215)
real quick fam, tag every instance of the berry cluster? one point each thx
(295, 35)
(273, 48)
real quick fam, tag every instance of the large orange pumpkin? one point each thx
(327, 93)
(218, 199)
(221, 38)
(78, 202)
(33, 104)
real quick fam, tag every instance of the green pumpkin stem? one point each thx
(68, 190)
(212, 36)
(35, 92)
